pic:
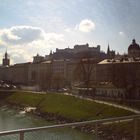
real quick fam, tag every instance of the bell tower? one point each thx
(6, 60)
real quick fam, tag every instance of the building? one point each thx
(51, 74)
(110, 91)
(110, 53)
(123, 73)
(17, 73)
(6, 60)
(78, 52)
(38, 59)
(134, 49)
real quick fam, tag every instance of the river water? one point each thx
(12, 119)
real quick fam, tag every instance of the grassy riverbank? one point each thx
(62, 105)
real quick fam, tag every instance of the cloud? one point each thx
(23, 42)
(21, 34)
(20, 55)
(68, 30)
(2, 44)
(54, 36)
(121, 33)
(86, 25)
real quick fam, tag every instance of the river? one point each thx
(12, 119)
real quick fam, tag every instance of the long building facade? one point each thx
(46, 74)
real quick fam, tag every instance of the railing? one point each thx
(21, 132)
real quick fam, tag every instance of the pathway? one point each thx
(107, 103)
(119, 106)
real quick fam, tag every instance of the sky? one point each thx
(28, 27)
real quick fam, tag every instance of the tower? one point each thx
(110, 53)
(108, 50)
(38, 58)
(6, 60)
(134, 49)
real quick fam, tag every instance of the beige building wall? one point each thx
(40, 73)
(105, 71)
(17, 73)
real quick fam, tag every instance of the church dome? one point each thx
(134, 46)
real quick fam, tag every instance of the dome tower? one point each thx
(134, 49)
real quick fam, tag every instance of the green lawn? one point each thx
(63, 105)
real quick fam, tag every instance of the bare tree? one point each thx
(84, 71)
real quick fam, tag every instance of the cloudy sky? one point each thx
(28, 27)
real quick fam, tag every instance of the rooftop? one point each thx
(122, 60)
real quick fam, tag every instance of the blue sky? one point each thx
(28, 27)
